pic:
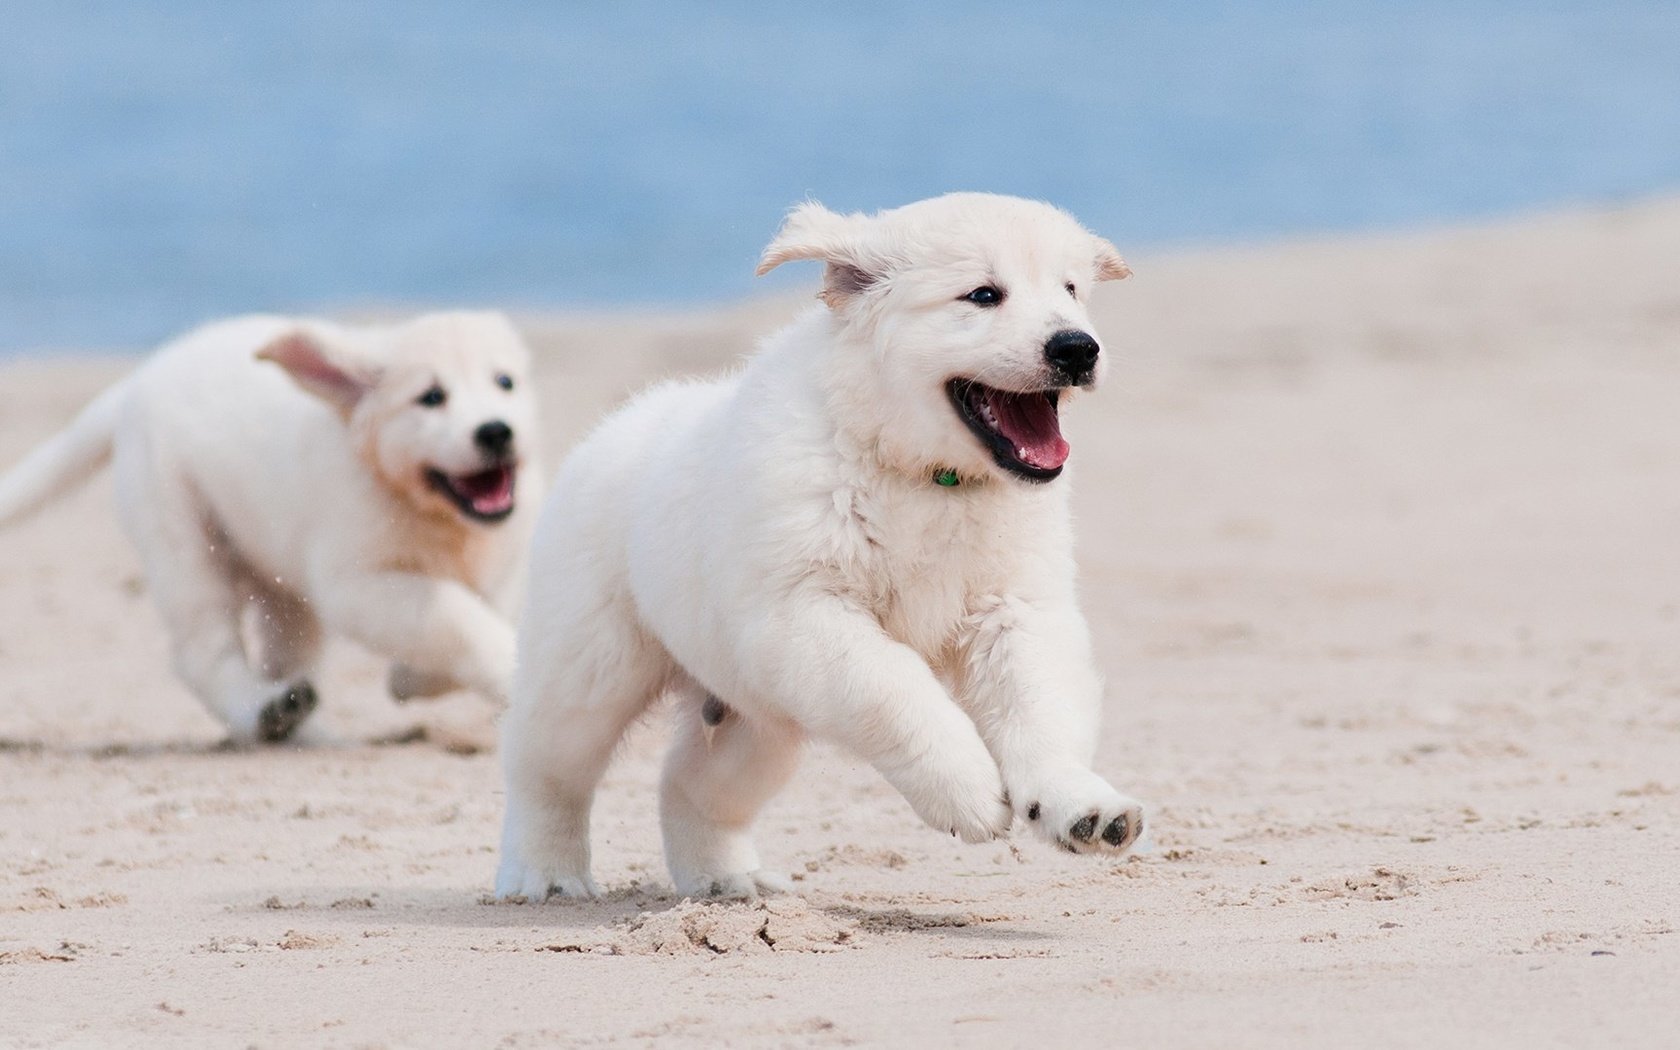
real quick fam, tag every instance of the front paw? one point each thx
(406, 683)
(961, 794)
(1080, 812)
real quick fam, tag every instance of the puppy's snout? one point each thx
(495, 438)
(1072, 353)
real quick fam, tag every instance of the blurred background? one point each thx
(163, 163)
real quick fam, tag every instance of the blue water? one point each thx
(164, 163)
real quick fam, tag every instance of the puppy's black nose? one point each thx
(494, 437)
(1072, 353)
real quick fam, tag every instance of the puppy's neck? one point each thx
(444, 545)
(427, 537)
(843, 365)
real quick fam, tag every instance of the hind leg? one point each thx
(721, 770)
(289, 636)
(196, 580)
(201, 608)
(576, 690)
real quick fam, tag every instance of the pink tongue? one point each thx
(1030, 423)
(488, 492)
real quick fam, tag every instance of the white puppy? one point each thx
(311, 478)
(860, 536)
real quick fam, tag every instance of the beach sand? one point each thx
(1380, 542)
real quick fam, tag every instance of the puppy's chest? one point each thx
(917, 564)
(439, 549)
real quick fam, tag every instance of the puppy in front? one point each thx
(288, 479)
(862, 536)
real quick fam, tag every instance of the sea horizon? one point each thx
(165, 167)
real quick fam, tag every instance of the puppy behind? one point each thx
(862, 536)
(315, 479)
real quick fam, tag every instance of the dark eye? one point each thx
(504, 381)
(1071, 289)
(433, 397)
(985, 295)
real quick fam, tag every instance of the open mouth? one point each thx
(485, 496)
(1022, 431)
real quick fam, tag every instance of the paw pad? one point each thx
(1084, 828)
(282, 715)
(1115, 833)
(713, 712)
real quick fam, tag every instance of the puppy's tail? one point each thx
(65, 461)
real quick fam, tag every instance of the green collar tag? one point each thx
(946, 477)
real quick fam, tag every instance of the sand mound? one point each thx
(783, 924)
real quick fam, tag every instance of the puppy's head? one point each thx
(438, 408)
(964, 325)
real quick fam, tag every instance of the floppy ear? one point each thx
(811, 231)
(1110, 267)
(1109, 262)
(333, 374)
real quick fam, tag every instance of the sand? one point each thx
(1380, 541)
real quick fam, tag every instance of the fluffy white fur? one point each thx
(282, 477)
(776, 539)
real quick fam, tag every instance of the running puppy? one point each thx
(861, 536)
(353, 480)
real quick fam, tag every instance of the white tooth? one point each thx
(1021, 453)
